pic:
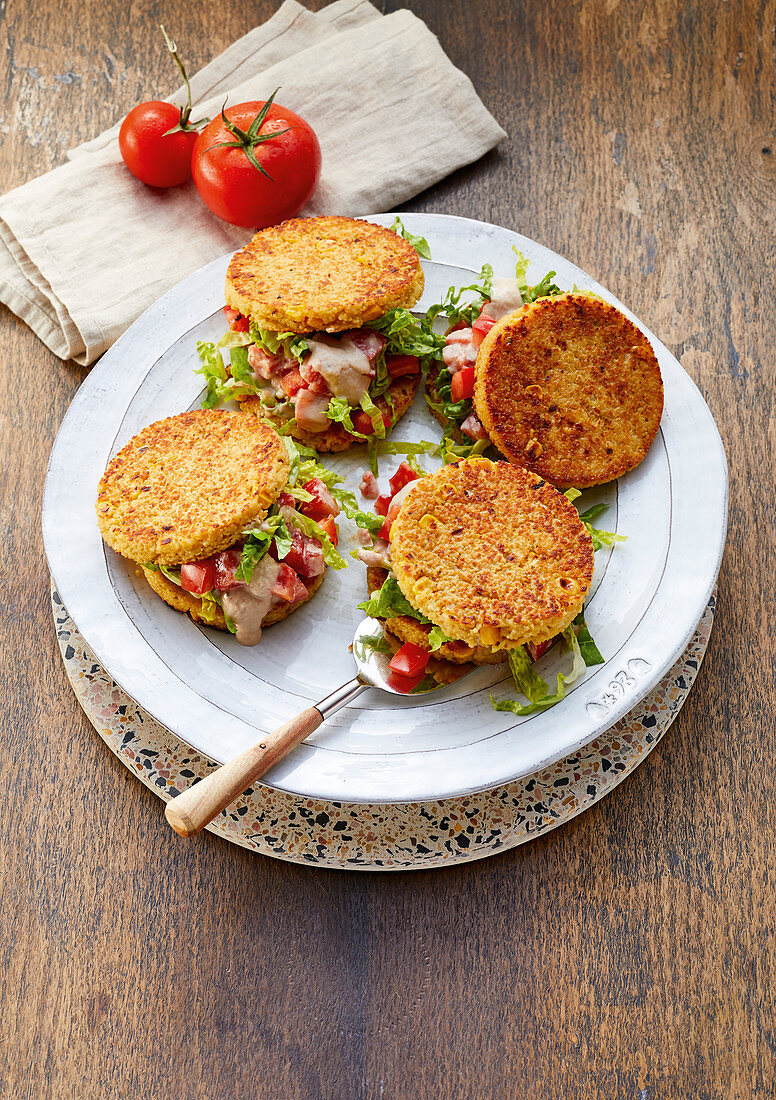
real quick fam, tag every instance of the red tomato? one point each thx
(234, 189)
(323, 503)
(305, 556)
(149, 152)
(410, 660)
(382, 504)
(237, 323)
(462, 384)
(402, 364)
(403, 476)
(288, 586)
(291, 381)
(329, 525)
(483, 324)
(226, 565)
(362, 422)
(198, 577)
(286, 500)
(536, 650)
(404, 684)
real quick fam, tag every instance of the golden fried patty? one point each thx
(407, 629)
(322, 274)
(190, 605)
(337, 438)
(492, 554)
(184, 487)
(569, 388)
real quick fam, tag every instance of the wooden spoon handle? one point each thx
(196, 807)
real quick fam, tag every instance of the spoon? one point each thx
(188, 813)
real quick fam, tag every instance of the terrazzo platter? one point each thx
(649, 595)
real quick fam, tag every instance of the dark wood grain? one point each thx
(631, 953)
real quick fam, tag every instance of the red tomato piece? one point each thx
(329, 525)
(399, 365)
(323, 503)
(404, 684)
(226, 565)
(305, 556)
(233, 188)
(410, 660)
(362, 422)
(156, 157)
(291, 381)
(483, 324)
(535, 651)
(288, 586)
(285, 500)
(198, 577)
(382, 504)
(240, 324)
(462, 384)
(403, 476)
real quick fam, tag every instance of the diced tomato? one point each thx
(458, 325)
(409, 660)
(404, 684)
(362, 422)
(288, 586)
(237, 323)
(462, 384)
(198, 577)
(535, 651)
(305, 556)
(382, 504)
(483, 324)
(368, 486)
(329, 525)
(291, 381)
(385, 530)
(286, 500)
(399, 365)
(226, 564)
(323, 503)
(403, 476)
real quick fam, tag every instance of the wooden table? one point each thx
(630, 954)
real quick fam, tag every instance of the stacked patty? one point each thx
(324, 279)
(490, 553)
(183, 492)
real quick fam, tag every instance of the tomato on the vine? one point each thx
(150, 151)
(257, 164)
(156, 138)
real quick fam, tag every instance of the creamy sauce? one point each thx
(346, 369)
(378, 555)
(504, 299)
(249, 605)
(461, 350)
(310, 411)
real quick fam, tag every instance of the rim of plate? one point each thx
(77, 561)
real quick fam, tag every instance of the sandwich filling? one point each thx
(320, 379)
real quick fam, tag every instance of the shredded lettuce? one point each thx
(529, 683)
(340, 411)
(390, 603)
(420, 244)
(455, 311)
(290, 343)
(369, 407)
(258, 541)
(409, 335)
(600, 538)
(545, 289)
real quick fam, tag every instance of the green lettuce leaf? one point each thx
(454, 310)
(409, 335)
(531, 684)
(290, 343)
(420, 244)
(591, 654)
(340, 411)
(258, 542)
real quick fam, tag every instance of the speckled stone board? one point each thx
(387, 837)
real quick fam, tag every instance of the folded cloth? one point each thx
(87, 247)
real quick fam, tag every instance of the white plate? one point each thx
(649, 592)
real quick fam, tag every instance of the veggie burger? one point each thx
(321, 341)
(206, 504)
(475, 562)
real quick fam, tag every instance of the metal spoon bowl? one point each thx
(193, 809)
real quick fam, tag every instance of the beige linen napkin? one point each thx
(87, 247)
